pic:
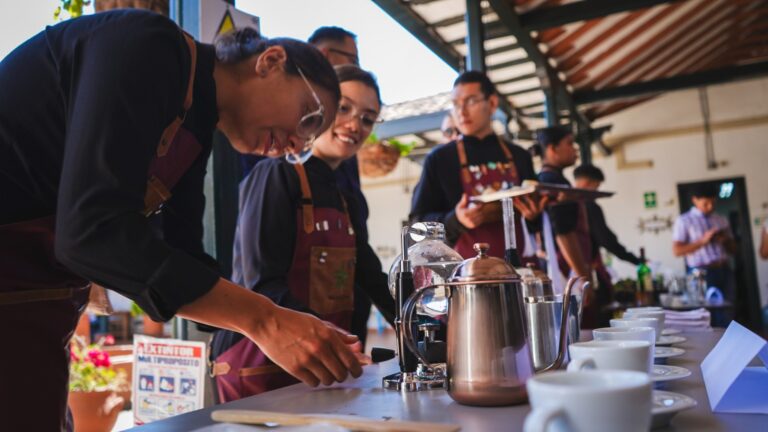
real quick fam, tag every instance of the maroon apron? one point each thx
(321, 276)
(475, 180)
(589, 314)
(41, 301)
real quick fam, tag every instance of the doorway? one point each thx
(733, 205)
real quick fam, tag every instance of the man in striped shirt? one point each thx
(704, 238)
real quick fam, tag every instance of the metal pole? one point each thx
(475, 36)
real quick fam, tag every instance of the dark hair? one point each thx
(332, 33)
(551, 135)
(704, 191)
(590, 172)
(350, 72)
(476, 77)
(241, 44)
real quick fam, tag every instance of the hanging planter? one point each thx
(378, 158)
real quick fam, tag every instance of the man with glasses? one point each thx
(338, 45)
(476, 162)
(448, 128)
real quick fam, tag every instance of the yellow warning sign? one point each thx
(227, 23)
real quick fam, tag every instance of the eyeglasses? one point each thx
(351, 56)
(450, 132)
(469, 102)
(348, 111)
(310, 124)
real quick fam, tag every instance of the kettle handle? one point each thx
(564, 323)
(409, 308)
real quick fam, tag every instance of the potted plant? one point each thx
(379, 157)
(151, 327)
(97, 392)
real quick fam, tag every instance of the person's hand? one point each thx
(356, 347)
(306, 347)
(469, 215)
(531, 206)
(708, 235)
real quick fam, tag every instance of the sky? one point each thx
(405, 68)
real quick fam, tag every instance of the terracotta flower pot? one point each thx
(95, 411)
(153, 328)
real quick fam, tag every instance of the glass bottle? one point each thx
(644, 281)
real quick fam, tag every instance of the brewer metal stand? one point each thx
(413, 375)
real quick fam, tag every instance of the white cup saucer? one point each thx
(670, 340)
(670, 331)
(666, 404)
(666, 352)
(668, 373)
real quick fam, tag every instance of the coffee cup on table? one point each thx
(589, 401)
(639, 322)
(645, 309)
(634, 355)
(626, 333)
(659, 315)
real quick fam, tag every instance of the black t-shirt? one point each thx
(440, 188)
(82, 108)
(564, 216)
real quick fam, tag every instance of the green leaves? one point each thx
(403, 148)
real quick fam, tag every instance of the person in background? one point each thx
(448, 128)
(338, 45)
(87, 163)
(477, 162)
(590, 177)
(569, 222)
(704, 238)
(296, 241)
(764, 240)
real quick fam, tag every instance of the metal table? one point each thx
(365, 397)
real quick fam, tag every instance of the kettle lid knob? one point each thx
(481, 249)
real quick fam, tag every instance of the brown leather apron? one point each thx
(321, 276)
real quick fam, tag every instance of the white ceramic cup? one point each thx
(639, 322)
(647, 334)
(659, 315)
(645, 309)
(611, 355)
(589, 401)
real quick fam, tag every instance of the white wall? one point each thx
(676, 159)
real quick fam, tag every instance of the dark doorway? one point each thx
(732, 204)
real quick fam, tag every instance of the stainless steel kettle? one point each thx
(488, 343)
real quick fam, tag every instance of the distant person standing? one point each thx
(590, 177)
(338, 45)
(704, 238)
(448, 128)
(764, 240)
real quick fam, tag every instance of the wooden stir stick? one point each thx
(354, 423)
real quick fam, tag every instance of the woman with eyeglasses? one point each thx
(105, 121)
(297, 241)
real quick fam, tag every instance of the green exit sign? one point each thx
(649, 198)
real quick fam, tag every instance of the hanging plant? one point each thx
(72, 8)
(378, 158)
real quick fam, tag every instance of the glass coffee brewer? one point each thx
(425, 260)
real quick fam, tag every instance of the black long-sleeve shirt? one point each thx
(440, 187)
(265, 239)
(82, 108)
(602, 236)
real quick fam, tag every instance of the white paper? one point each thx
(731, 385)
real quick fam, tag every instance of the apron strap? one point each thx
(466, 177)
(306, 200)
(510, 159)
(157, 193)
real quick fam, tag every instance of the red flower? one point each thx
(98, 358)
(109, 340)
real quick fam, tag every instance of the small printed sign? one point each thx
(649, 198)
(168, 378)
